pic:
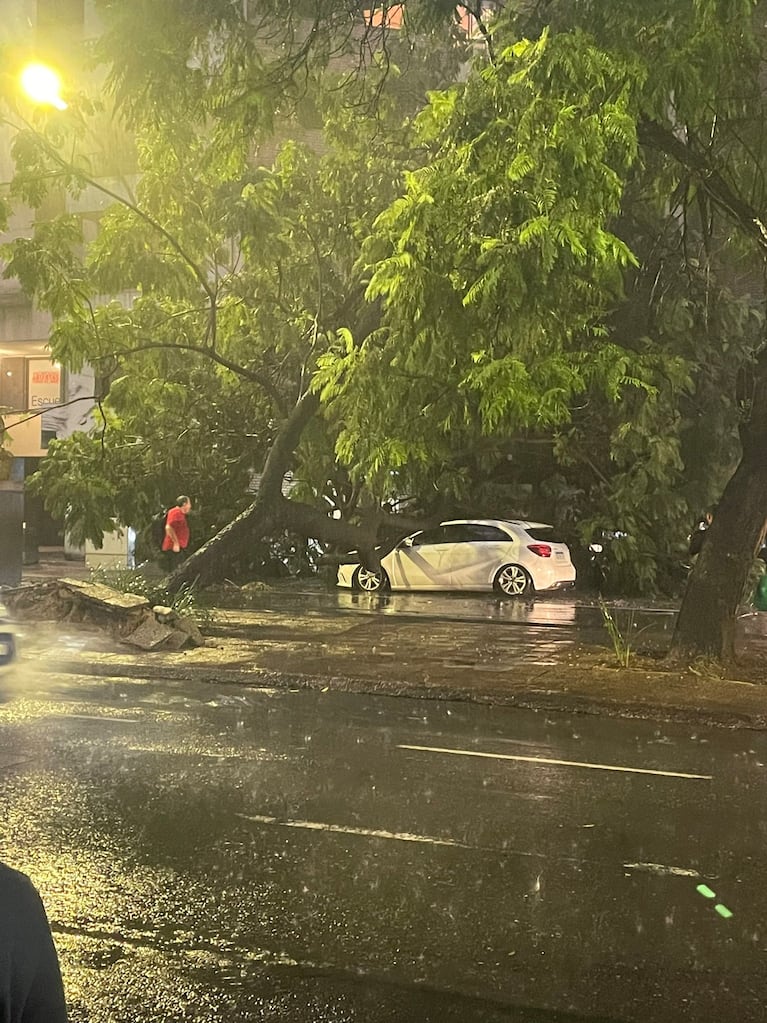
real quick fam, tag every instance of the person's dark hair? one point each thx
(181, 500)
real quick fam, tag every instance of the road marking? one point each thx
(399, 836)
(720, 908)
(662, 868)
(556, 763)
(404, 836)
(99, 717)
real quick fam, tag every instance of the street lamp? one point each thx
(42, 85)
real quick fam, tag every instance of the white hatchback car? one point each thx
(514, 558)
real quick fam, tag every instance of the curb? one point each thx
(551, 701)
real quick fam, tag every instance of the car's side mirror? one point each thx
(407, 542)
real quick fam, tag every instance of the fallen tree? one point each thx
(499, 271)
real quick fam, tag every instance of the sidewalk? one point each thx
(540, 667)
(53, 565)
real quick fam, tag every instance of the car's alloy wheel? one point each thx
(512, 581)
(369, 582)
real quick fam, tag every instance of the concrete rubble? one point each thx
(128, 617)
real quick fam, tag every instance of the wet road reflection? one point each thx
(560, 609)
(230, 854)
(654, 623)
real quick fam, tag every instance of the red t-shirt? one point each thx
(177, 521)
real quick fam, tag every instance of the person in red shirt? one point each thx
(177, 531)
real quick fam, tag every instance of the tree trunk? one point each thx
(212, 561)
(271, 512)
(708, 616)
(268, 514)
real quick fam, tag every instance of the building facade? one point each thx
(39, 399)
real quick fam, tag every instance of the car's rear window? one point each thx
(542, 534)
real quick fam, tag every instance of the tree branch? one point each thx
(79, 173)
(656, 136)
(30, 415)
(247, 374)
(476, 11)
(285, 442)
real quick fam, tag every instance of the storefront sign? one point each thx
(44, 384)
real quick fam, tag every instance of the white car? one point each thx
(513, 558)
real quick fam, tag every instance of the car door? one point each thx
(420, 562)
(478, 553)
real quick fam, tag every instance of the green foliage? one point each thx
(48, 266)
(147, 448)
(496, 266)
(537, 278)
(233, 277)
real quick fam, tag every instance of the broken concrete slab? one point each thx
(176, 641)
(150, 635)
(105, 596)
(126, 616)
(58, 598)
(190, 629)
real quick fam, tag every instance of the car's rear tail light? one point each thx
(543, 550)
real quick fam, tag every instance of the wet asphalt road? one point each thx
(221, 854)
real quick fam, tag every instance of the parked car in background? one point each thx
(7, 642)
(514, 558)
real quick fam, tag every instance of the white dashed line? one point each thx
(337, 829)
(556, 763)
(662, 868)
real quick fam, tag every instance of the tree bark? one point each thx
(268, 514)
(707, 620)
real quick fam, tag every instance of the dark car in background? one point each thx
(7, 642)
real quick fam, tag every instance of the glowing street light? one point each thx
(42, 85)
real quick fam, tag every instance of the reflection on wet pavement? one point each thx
(545, 610)
(653, 624)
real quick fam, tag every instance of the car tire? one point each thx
(364, 581)
(513, 581)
